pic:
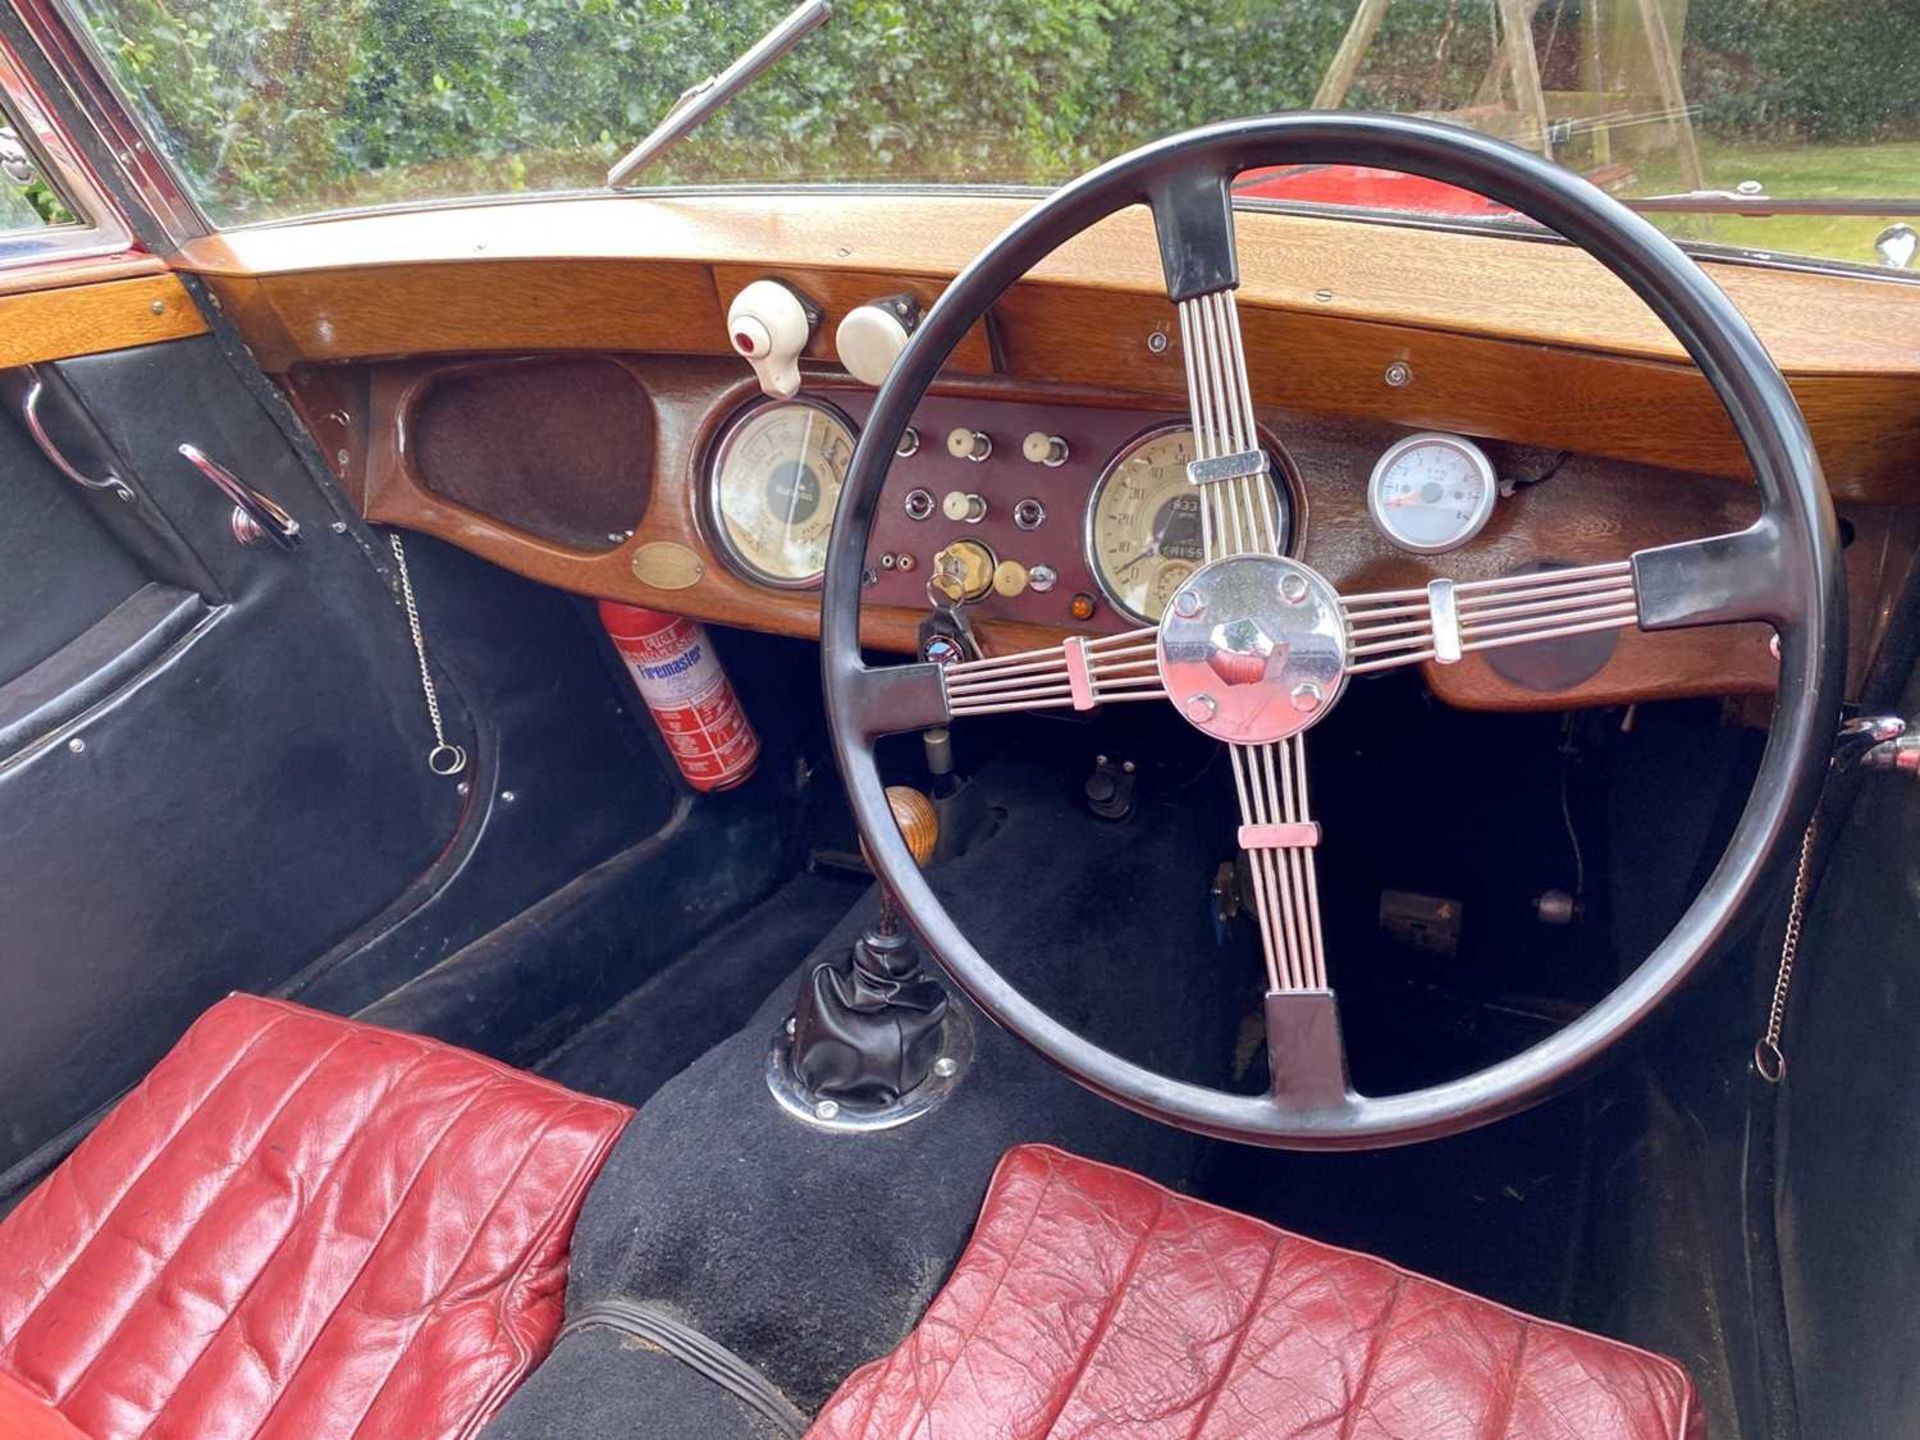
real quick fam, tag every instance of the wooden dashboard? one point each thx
(1525, 345)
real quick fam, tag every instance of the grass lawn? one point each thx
(1889, 169)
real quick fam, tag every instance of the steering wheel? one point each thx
(1255, 648)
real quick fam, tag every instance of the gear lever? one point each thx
(867, 1030)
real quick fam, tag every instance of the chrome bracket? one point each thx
(1877, 742)
(1241, 464)
(1444, 613)
(792, 1095)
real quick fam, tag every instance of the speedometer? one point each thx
(1143, 523)
(776, 480)
(1432, 492)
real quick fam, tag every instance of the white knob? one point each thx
(962, 505)
(869, 341)
(769, 328)
(1044, 449)
(967, 444)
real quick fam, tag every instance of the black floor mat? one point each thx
(1497, 1211)
(701, 998)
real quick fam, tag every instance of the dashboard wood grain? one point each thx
(1591, 509)
(1507, 336)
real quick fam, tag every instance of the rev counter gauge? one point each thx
(1143, 533)
(776, 479)
(1432, 492)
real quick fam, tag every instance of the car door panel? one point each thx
(198, 792)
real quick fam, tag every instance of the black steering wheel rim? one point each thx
(1811, 622)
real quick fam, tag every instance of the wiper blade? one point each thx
(1745, 201)
(698, 103)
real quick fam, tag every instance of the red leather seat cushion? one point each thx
(1092, 1302)
(300, 1226)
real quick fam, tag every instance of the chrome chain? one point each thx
(443, 758)
(1768, 1058)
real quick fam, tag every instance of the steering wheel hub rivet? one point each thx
(1253, 648)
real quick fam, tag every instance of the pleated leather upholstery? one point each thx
(303, 1227)
(1092, 1302)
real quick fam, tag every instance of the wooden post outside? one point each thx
(1673, 95)
(1516, 26)
(1353, 49)
(1593, 78)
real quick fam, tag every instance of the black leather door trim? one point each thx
(106, 655)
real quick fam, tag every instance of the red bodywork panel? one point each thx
(1364, 187)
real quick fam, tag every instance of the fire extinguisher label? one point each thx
(693, 703)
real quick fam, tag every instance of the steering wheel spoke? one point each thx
(1306, 1050)
(1722, 580)
(893, 699)
(1077, 674)
(1449, 619)
(1279, 837)
(1193, 216)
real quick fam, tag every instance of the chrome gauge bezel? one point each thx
(1483, 512)
(1278, 475)
(715, 515)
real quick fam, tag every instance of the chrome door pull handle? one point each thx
(256, 517)
(30, 412)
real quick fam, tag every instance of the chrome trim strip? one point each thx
(101, 229)
(1446, 622)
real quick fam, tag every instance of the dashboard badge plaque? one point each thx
(1249, 634)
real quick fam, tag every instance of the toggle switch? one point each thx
(769, 324)
(872, 336)
(965, 444)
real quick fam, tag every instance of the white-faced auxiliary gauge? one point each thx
(1432, 492)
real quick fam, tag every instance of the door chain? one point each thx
(443, 758)
(1768, 1058)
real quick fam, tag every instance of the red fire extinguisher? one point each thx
(673, 664)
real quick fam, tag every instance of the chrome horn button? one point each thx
(1253, 648)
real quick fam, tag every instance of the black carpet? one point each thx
(702, 997)
(808, 1253)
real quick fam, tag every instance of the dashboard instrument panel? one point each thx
(774, 484)
(1143, 532)
(1031, 518)
(1432, 492)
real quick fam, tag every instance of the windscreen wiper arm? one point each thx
(1757, 202)
(699, 102)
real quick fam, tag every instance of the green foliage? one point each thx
(1811, 69)
(275, 107)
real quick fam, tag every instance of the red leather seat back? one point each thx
(1093, 1302)
(300, 1226)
